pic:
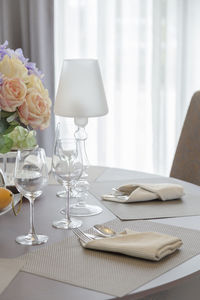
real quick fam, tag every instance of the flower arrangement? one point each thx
(24, 101)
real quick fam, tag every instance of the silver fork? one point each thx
(81, 235)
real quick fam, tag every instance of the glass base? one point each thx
(83, 210)
(67, 224)
(31, 240)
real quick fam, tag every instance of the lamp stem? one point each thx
(82, 208)
(83, 184)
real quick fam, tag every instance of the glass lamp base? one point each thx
(67, 224)
(83, 210)
(31, 239)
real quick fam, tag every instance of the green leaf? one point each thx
(12, 117)
(5, 144)
(10, 129)
(5, 114)
(3, 126)
(14, 123)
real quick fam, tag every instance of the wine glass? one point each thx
(62, 193)
(67, 167)
(31, 175)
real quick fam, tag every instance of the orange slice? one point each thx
(5, 197)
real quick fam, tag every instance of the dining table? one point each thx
(180, 282)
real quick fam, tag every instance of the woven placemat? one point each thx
(8, 270)
(188, 205)
(109, 273)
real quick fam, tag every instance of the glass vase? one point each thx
(7, 166)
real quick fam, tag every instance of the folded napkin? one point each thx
(147, 245)
(145, 192)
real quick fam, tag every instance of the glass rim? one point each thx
(29, 150)
(66, 139)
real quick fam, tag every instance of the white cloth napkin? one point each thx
(147, 245)
(146, 192)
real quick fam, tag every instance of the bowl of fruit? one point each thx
(8, 197)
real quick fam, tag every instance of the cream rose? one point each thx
(35, 82)
(13, 68)
(35, 111)
(12, 94)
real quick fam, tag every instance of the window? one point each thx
(148, 52)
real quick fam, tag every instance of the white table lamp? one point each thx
(80, 96)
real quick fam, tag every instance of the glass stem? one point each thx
(5, 168)
(32, 229)
(67, 215)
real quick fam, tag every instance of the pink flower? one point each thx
(35, 110)
(12, 94)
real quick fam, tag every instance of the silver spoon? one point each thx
(117, 192)
(104, 231)
(114, 196)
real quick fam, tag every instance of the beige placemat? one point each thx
(109, 273)
(8, 270)
(188, 205)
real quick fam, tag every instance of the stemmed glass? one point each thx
(67, 167)
(62, 193)
(31, 175)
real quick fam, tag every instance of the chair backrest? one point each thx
(186, 164)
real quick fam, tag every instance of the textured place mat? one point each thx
(8, 270)
(116, 174)
(109, 273)
(188, 205)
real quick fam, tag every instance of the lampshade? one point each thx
(80, 92)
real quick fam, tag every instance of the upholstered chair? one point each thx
(186, 164)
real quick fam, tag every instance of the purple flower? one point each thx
(3, 50)
(32, 69)
(4, 46)
(19, 54)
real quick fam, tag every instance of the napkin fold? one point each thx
(147, 245)
(145, 192)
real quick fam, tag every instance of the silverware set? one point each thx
(84, 237)
(102, 232)
(118, 194)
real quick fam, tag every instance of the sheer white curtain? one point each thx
(148, 52)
